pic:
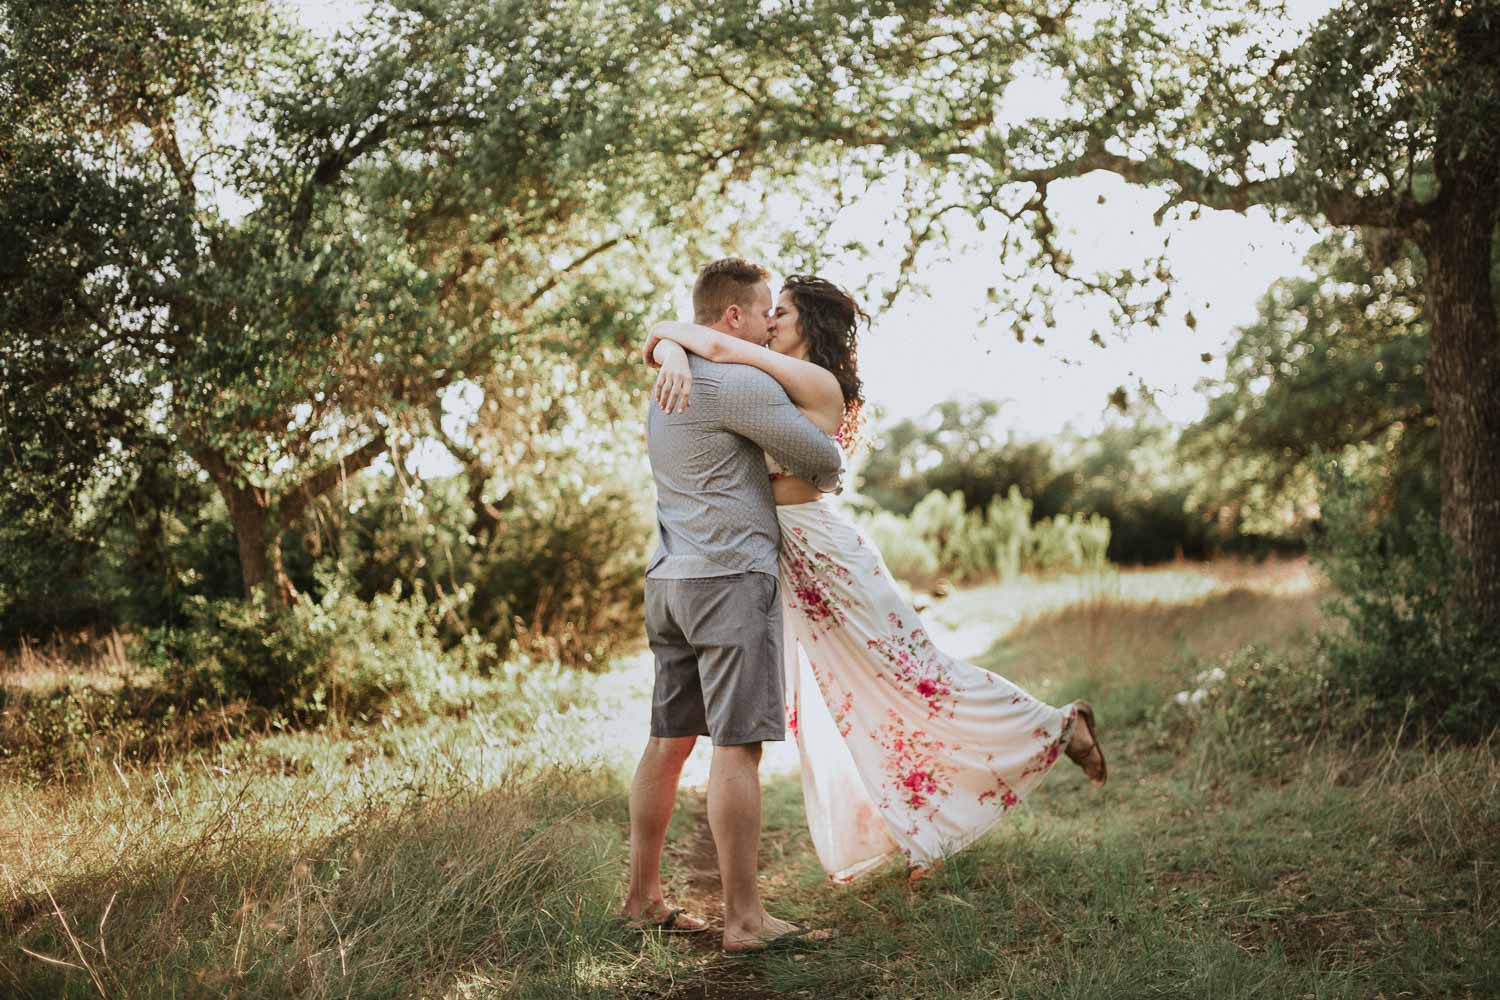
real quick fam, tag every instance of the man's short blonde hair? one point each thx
(725, 283)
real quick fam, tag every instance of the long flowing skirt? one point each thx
(903, 748)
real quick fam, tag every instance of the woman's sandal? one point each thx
(1083, 758)
(676, 921)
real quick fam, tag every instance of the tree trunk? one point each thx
(258, 520)
(259, 537)
(1463, 376)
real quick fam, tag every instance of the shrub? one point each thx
(1094, 533)
(1257, 706)
(1410, 649)
(336, 656)
(907, 554)
(1010, 528)
(941, 536)
(940, 520)
(556, 575)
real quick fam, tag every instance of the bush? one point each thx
(941, 536)
(1256, 707)
(1410, 649)
(907, 554)
(333, 657)
(556, 576)
(1010, 528)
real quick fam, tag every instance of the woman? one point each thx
(903, 748)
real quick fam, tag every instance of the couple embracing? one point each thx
(769, 613)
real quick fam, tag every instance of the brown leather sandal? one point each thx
(676, 921)
(1083, 758)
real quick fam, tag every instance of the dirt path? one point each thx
(693, 867)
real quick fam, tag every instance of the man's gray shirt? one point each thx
(714, 506)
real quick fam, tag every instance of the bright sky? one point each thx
(930, 347)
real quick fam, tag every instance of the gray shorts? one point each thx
(717, 642)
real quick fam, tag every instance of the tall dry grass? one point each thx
(439, 857)
(327, 876)
(100, 659)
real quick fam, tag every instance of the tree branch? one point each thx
(320, 482)
(164, 141)
(565, 270)
(1389, 211)
(330, 168)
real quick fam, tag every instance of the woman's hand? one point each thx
(674, 383)
(651, 341)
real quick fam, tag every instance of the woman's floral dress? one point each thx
(903, 748)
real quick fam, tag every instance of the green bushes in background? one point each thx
(1131, 474)
(942, 538)
(553, 574)
(1408, 651)
(335, 655)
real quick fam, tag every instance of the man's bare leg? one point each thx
(653, 793)
(734, 819)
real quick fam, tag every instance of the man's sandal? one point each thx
(676, 921)
(1085, 758)
(801, 934)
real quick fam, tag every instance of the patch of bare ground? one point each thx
(695, 884)
(725, 981)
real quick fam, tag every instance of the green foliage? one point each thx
(1334, 363)
(1009, 521)
(907, 554)
(338, 656)
(942, 538)
(1070, 542)
(941, 521)
(71, 727)
(1256, 707)
(1132, 476)
(164, 539)
(956, 446)
(414, 205)
(1410, 649)
(557, 576)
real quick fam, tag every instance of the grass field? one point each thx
(479, 854)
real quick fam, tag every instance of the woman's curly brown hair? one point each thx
(829, 319)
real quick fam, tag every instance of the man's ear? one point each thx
(733, 315)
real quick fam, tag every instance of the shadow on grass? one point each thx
(498, 889)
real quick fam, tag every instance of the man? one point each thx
(713, 612)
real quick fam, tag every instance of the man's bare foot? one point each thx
(658, 916)
(1084, 749)
(772, 933)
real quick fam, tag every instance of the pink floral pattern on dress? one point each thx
(1041, 762)
(1048, 749)
(816, 585)
(915, 665)
(917, 774)
(840, 704)
(904, 749)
